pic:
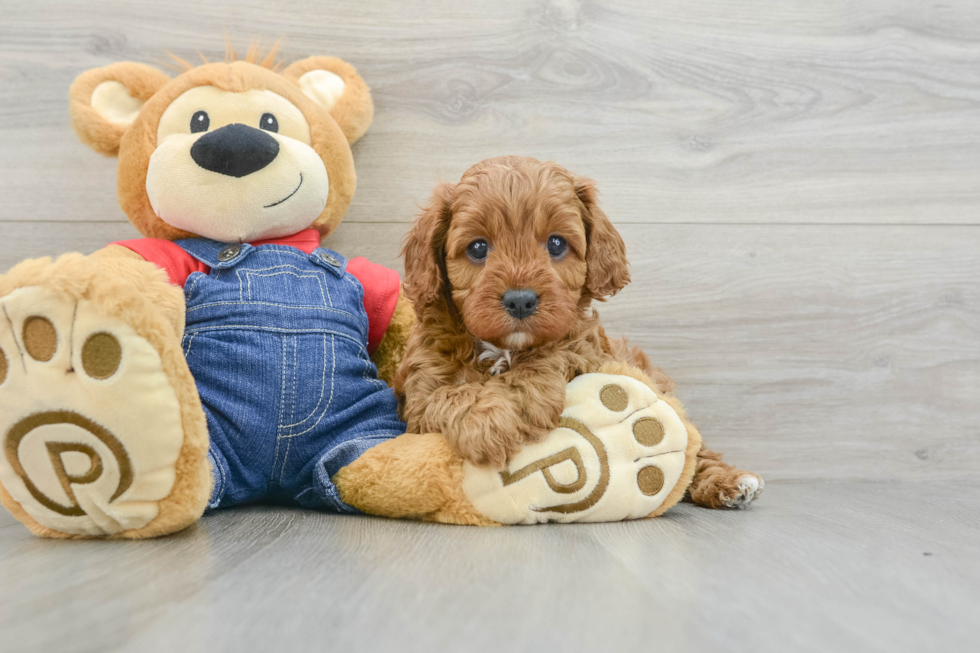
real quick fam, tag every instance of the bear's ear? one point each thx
(335, 86)
(106, 101)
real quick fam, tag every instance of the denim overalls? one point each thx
(277, 342)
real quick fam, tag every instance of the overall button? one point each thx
(229, 252)
(330, 260)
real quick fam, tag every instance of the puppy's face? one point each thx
(515, 256)
(518, 249)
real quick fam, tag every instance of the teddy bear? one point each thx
(227, 357)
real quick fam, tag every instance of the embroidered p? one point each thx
(58, 450)
(545, 464)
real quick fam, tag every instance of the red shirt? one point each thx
(381, 285)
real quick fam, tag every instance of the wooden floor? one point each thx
(818, 567)
(798, 183)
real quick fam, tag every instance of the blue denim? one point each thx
(277, 342)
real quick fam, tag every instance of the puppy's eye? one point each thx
(557, 246)
(200, 122)
(478, 250)
(269, 123)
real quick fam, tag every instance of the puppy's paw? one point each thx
(485, 439)
(720, 487)
(480, 447)
(746, 488)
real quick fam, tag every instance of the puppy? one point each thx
(503, 268)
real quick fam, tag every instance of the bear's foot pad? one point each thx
(617, 454)
(80, 455)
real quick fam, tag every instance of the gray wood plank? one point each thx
(816, 351)
(803, 352)
(715, 112)
(813, 567)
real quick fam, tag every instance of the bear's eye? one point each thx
(269, 123)
(200, 122)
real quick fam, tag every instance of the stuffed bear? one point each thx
(227, 358)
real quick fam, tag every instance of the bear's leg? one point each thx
(413, 476)
(622, 451)
(103, 432)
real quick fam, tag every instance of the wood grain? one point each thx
(723, 112)
(813, 567)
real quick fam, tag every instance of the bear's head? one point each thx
(234, 151)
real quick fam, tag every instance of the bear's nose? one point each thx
(520, 303)
(235, 150)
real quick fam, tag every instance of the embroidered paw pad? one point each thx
(78, 454)
(618, 452)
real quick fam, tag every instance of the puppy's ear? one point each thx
(424, 249)
(605, 255)
(335, 85)
(106, 101)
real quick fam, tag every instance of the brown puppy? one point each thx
(503, 268)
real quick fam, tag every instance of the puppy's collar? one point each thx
(501, 357)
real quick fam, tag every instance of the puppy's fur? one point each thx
(492, 383)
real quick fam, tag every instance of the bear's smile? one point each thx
(269, 206)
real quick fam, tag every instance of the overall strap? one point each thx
(329, 260)
(215, 254)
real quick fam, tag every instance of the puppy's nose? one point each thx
(235, 150)
(520, 303)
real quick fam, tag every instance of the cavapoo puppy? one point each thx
(503, 268)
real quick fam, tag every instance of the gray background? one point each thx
(798, 184)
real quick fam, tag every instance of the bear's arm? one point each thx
(149, 278)
(389, 353)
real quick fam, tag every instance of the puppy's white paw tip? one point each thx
(748, 489)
